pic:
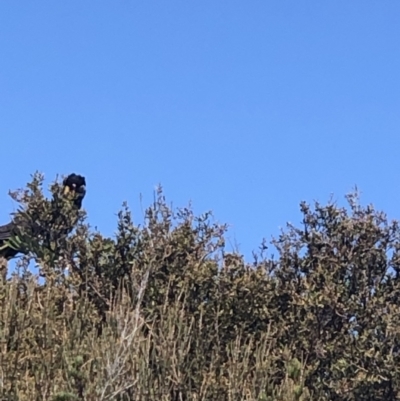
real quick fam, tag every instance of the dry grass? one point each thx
(51, 351)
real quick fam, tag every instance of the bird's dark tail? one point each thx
(6, 249)
(6, 231)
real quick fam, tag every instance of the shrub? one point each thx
(163, 312)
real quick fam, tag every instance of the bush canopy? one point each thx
(162, 311)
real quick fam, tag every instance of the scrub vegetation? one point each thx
(161, 311)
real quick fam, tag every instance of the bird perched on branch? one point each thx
(74, 189)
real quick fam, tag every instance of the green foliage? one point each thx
(162, 312)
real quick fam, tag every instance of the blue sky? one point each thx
(244, 108)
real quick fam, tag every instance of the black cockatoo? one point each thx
(74, 189)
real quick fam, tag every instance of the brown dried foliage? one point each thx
(162, 312)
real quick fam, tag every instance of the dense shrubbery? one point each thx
(162, 312)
